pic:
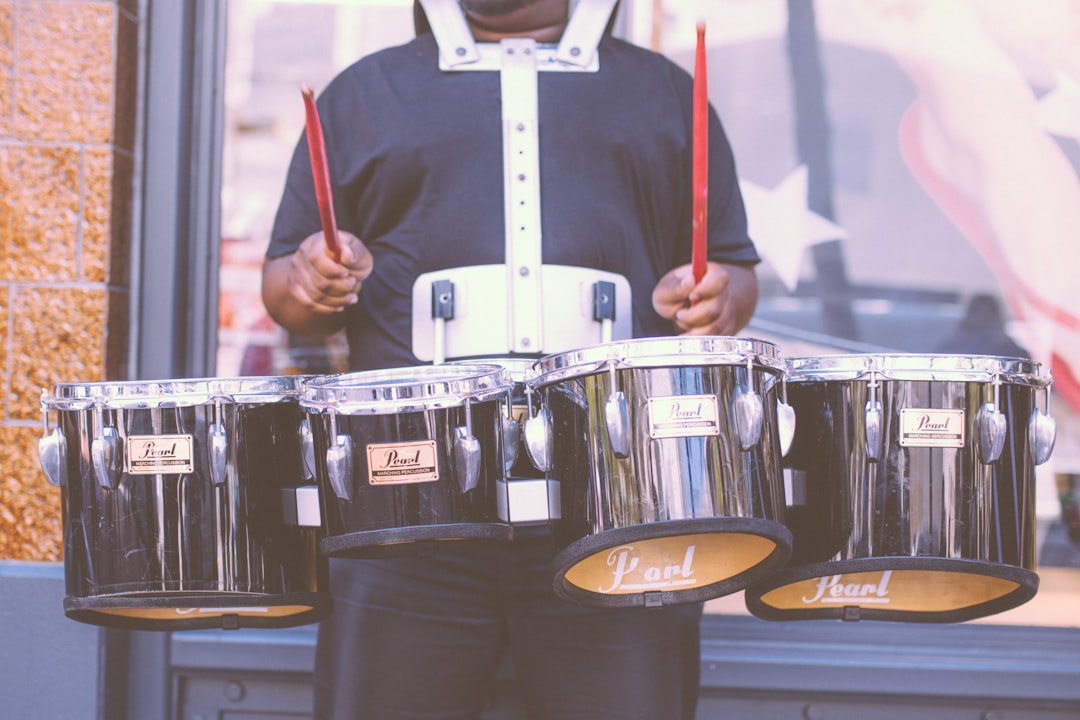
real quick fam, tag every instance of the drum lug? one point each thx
(992, 427)
(511, 432)
(617, 419)
(52, 453)
(873, 430)
(307, 448)
(105, 453)
(339, 467)
(219, 453)
(466, 459)
(785, 421)
(538, 439)
(749, 415)
(466, 453)
(617, 416)
(1042, 434)
(873, 415)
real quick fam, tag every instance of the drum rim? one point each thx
(93, 610)
(917, 366)
(402, 389)
(521, 368)
(174, 392)
(657, 352)
(424, 539)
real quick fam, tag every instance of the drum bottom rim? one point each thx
(109, 611)
(1027, 585)
(414, 540)
(582, 549)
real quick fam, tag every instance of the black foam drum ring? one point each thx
(592, 545)
(1026, 582)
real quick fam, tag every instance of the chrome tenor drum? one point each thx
(186, 503)
(912, 488)
(409, 458)
(668, 456)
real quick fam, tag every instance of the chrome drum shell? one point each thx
(664, 498)
(448, 418)
(912, 482)
(206, 533)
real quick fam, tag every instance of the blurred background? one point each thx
(910, 170)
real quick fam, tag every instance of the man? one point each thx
(417, 173)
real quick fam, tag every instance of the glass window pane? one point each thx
(910, 171)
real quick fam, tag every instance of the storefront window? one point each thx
(911, 172)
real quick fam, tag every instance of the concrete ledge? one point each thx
(52, 667)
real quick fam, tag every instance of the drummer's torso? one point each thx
(428, 196)
(424, 166)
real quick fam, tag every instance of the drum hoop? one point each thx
(658, 352)
(148, 394)
(918, 367)
(520, 368)
(396, 390)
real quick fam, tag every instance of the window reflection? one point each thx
(274, 47)
(910, 170)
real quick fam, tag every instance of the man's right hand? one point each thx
(307, 291)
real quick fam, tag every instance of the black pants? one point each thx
(422, 637)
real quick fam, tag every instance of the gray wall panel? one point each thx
(51, 667)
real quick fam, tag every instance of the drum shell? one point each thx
(914, 501)
(933, 521)
(689, 486)
(180, 541)
(381, 519)
(664, 479)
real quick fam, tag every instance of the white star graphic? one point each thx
(782, 226)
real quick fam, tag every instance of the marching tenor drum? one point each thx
(186, 503)
(667, 451)
(912, 488)
(409, 458)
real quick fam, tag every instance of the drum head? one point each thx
(198, 611)
(670, 563)
(910, 589)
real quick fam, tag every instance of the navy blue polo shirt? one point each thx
(415, 157)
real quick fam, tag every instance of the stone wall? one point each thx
(68, 80)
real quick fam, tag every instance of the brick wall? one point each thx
(68, 74)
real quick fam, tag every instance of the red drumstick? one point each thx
(317, 150)
(700, 158)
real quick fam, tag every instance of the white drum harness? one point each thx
(523, 306)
